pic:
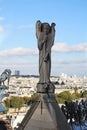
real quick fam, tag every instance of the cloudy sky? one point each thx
(18, 43)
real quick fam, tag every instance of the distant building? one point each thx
(17, 72)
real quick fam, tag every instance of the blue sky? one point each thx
(18, 43)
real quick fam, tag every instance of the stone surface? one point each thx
(45, 115)
(5, 76)
(45, 88)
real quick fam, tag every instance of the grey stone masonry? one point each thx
(45, 114)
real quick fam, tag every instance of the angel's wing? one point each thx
(38, 28)
(53, 32)
(53, 28)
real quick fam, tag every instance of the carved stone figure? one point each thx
(5, 76)
(45, 36)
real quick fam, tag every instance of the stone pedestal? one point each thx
(45, 114)
(45, 87)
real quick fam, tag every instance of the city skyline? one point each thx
(18, 43)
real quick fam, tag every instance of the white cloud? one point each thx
(29, 65)
(18, 52)
(59, 48)
(70, 61)
(1, 28)
(24, 67)
(70, 67)
(66, 48)
(1, 18)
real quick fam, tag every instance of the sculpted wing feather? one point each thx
(53, 32)
(53, 28)
(38, 28)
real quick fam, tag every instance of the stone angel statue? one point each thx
(45, 35)
(5, 76)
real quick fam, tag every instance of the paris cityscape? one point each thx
(43, 65)
(25, 86)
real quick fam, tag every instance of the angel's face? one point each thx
(46, 29)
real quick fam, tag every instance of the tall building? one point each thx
(17, 72)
